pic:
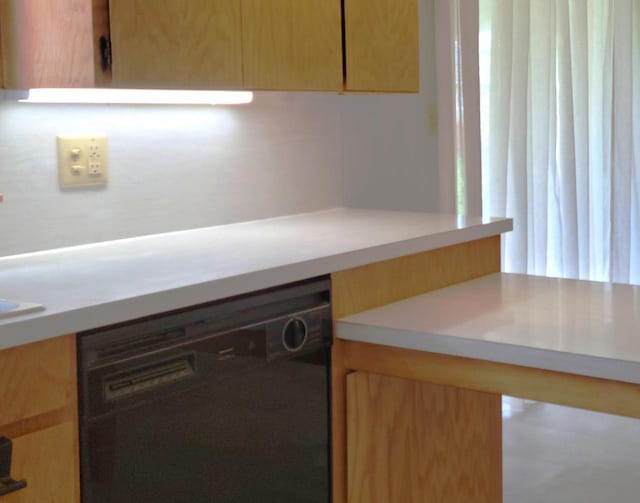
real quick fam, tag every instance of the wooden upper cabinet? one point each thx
(381, 45)
(176, 43)
(292, 44)
(211, 44)
(51, 44)
(1, 56)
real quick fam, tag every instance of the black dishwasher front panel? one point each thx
(214, 416)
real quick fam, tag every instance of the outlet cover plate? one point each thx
(83, 161)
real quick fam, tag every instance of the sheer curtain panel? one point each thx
(560, 94)
(459, 154)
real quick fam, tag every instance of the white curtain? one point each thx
(560, 86)
(459, 156)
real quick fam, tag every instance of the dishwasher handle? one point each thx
(148, 377)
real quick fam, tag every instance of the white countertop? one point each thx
(579, 327)
(96, 285)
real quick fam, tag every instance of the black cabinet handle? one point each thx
(7, 484)
(105, 54)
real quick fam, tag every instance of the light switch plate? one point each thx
(83, 161)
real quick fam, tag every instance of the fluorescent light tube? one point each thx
(138, 97)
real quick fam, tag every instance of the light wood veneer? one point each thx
(45, 460)
(292, 44)
(603, 395)
(36, 379)
(173, 44)
(411, 441)
(39, 413)
(358, 289)
(46, 44)
(382, 45)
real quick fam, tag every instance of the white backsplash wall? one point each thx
(175, 168)
(171, 168)
(390, 156)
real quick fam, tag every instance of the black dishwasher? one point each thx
(226, 402)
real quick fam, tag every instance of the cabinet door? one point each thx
(46, 44)
(2, 56)
(417, 441)
(292, 44)
(381, 38)
(176, 44)
(47, 460)
(37, 379)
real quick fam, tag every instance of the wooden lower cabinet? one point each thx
(364, 432)
(39, 414)
(413, 441)
(47, 460)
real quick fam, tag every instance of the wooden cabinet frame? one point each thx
(67, 43)
(381, 45)
(356, 290)
(38, 393)
(385, 396)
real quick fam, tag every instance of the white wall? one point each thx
(390, 156)
(170, 168)
(177, 168)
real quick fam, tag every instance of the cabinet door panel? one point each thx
(46, 44)
(292, 44)
(176, 44)
(2, 56)
(382, 45)
(417, 441)
(47, 460)
(37, 378)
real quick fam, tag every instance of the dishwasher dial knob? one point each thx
(294, 334)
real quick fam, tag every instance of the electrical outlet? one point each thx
(82, 161)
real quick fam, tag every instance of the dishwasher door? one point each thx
(233, 417)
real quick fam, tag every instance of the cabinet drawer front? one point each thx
(46, 459)
(36, 378)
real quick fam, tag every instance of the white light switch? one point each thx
(82, 161)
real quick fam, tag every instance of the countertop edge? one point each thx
(40, 326)
(498, 352)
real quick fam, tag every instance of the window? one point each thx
(560, 115)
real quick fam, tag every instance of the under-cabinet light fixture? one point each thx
(138, 97)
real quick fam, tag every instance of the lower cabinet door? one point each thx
(47, 460)
(410, 441)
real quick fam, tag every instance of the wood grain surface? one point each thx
(37, 378)
(374, 285)
(292, 44)
(47, 460)
(101, 28)
(2, 56)
(47, 44)
(176, 44)
(382, 45)
(416, 442)
(356, 290)
(572, 390)
(39, 413)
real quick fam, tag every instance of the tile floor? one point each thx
(556, 454)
